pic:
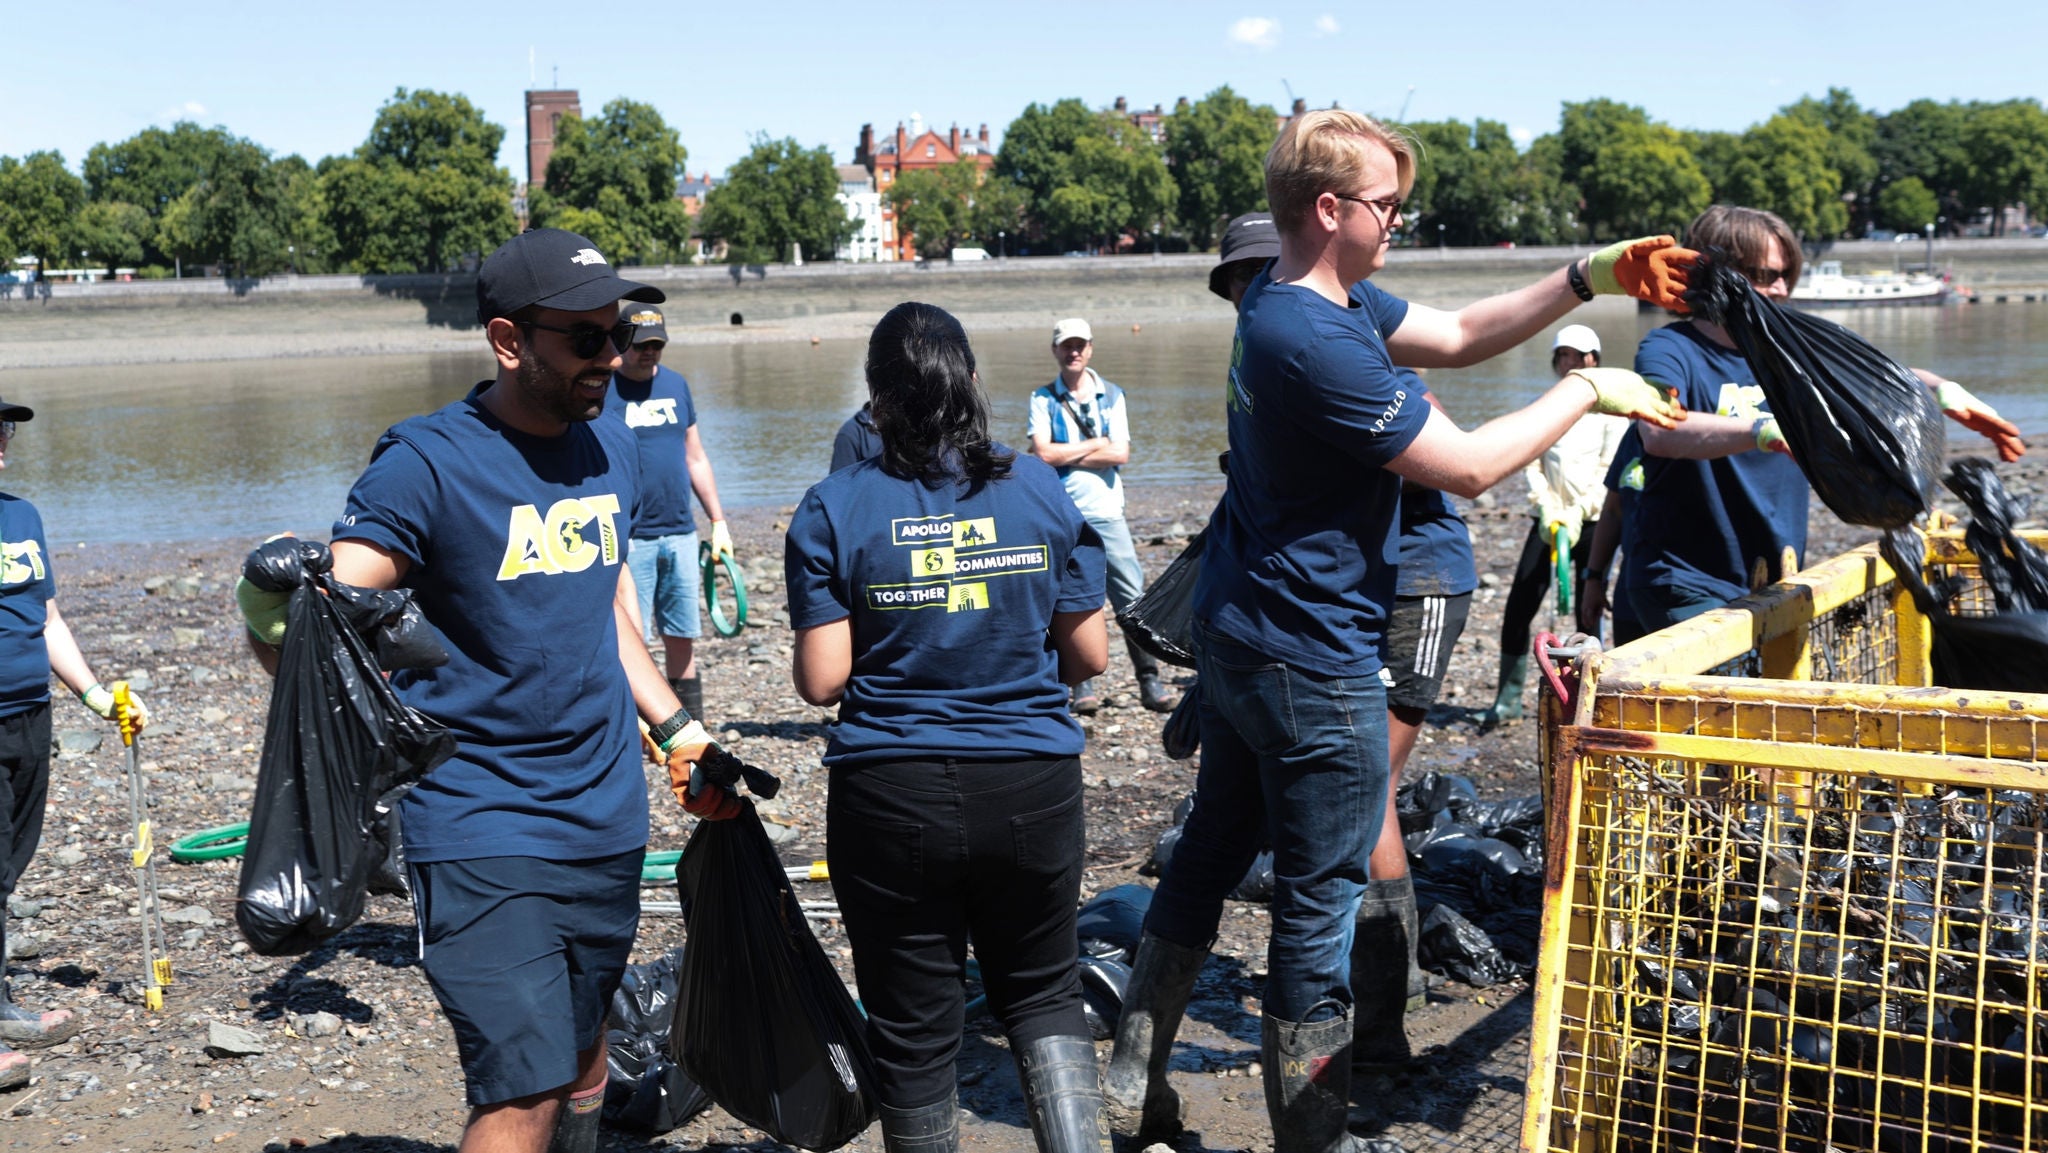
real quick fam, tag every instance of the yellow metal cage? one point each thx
(1793, 894)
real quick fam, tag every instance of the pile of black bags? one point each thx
(2005, 651)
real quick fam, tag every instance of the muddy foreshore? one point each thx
(352, 1054)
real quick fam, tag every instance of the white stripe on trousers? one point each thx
(1429, 646)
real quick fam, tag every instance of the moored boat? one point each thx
(1827, 286)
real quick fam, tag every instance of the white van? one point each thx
(960, 254)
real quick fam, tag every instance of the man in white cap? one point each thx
(1567, 485)
(1080, 425)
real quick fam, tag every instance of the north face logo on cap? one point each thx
(587, 256)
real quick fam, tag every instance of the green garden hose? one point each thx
(1561, 560)
(723, 625)
(213, 844)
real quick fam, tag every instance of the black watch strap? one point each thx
(1577, 280)
(670, 727)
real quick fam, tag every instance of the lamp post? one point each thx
(1155, 242)
(1930, 248)
(1002, 244)
(1440, 240)
(292, 257)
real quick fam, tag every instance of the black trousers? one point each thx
(925, 855)
(24, 789)
(1532, 580)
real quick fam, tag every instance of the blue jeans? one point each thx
(667, 576)
(1124, 576)
(1298, 762)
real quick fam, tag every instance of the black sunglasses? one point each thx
(586, 340)
(1764, 277)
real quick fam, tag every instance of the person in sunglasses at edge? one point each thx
(943, 595)
(655, 403)
(1723, 506)
(1565, 496)
(1291, 606)
(507, 514)
(1080, 424)
(34, 643)
(1432, 601)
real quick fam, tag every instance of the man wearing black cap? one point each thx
(507, 514)
(655, 402)
(34, 642)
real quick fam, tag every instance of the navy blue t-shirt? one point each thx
(857, 440)
(950, 593)
(1303, 551)
(1436, 545)
(660, 412)
(1700, 525)
(515, 543)
(26, 586)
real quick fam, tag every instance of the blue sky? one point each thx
(308, 78)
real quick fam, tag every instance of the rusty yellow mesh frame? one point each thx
(1692, 817)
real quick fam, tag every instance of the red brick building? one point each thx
(544, 111)
(913, 148)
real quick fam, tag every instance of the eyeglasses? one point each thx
(1763, 277)
(586, 340)
(1389, 206)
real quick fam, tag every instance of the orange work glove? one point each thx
(1652, 268)
(1980, 418)
(700, 798)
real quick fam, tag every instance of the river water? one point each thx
(242, 449)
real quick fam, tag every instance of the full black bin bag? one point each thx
(2003, 652)
(339, 747)
(1865, 431)
(762, 1020)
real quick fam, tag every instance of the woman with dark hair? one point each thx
(942, 594)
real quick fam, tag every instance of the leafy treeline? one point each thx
(424, 190)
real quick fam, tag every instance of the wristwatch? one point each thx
(1577, 280)
(676, 723)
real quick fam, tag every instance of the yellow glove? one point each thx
(1569, 527)
(1619, 392)
(1769, 437)
(721, 540)
(100, 699)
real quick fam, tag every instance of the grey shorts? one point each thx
(1421, 632)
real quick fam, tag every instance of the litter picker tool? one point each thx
(156, 957)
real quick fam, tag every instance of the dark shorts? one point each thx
(1421, 632)
(524, 955)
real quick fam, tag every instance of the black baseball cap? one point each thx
(9, 411)
(554, 269)
(1252, 236)
(648, 324)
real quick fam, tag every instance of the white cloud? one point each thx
(1326, 25)
(1520, 135)
(1256, 32)
(189, 110)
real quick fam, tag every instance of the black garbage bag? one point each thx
(1163, 621)
(1103, 983)
(647, 1092)
(1110, 923)
(1456, 947)
(1257, 884)
(339, 748)
(1181, 735)
(1865, 431)
(762, 1020)
(387, 618)
(2007, 652)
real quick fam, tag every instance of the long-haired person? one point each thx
(944, 594)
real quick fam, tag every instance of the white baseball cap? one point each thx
(1070, 329)
(1576, 337)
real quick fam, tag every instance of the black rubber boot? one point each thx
(690, 691)
(1153, 692)
(31, 1028)
(1507, 701)
(1141, 1102)
(1382, 949)
(577, 1124)
(1308, 1086)
(933, 1128)
(1064, 1096)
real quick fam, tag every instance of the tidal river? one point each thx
(242, 449)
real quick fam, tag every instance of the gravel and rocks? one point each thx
(343, 1050)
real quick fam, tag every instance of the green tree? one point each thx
(113, 232)
(622, 166)
(1924, 140)
(1469, 180)
(309, 242)
(1907, 205)
(235, 215)
(778, 195)
(998, 212)
(1851, 131)
(1785, 169)
(39, 199)
(423, 191)
(936, 205)
(1087, 176)
(153, 168)
(1718, 154)
(1635, 176)
(1217, 148)
(1548, 204)
(2007, 147)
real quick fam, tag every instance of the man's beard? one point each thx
(553, 392)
